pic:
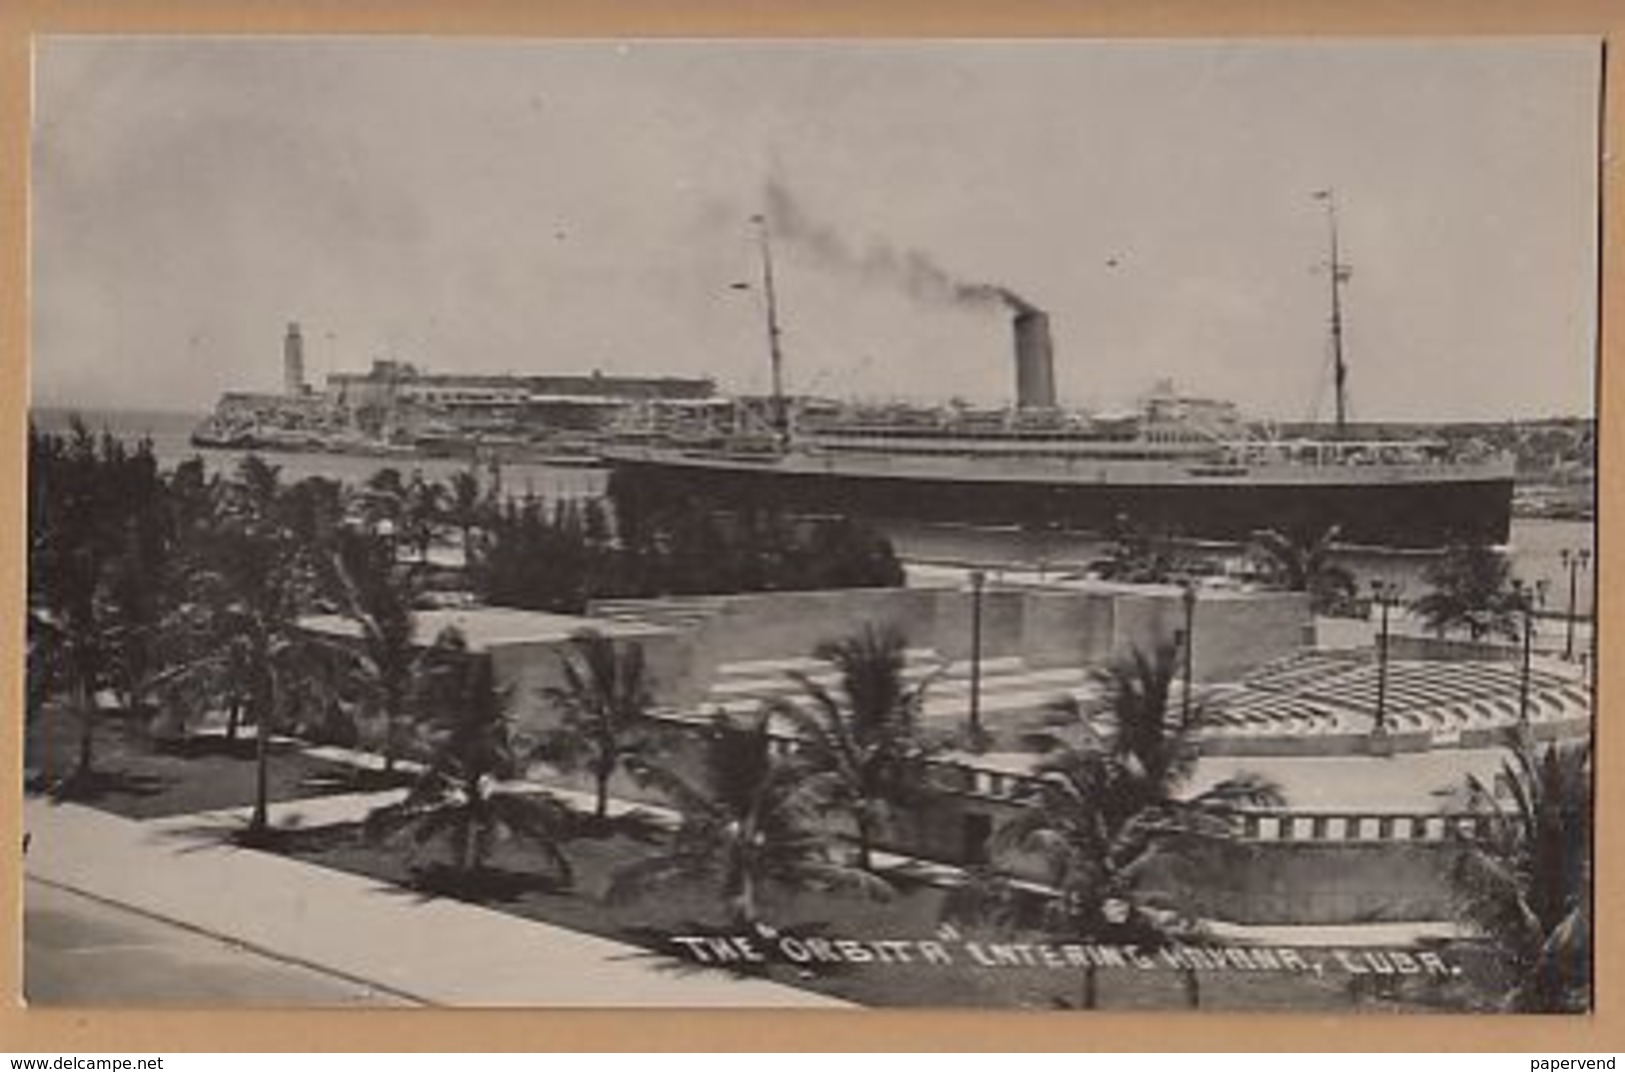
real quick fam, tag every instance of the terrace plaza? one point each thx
(1369, 813)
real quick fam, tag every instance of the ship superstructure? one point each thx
(1182, 465)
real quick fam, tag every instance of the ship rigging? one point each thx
(1338, 274)
(1183, 465)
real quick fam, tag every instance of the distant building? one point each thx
(293, 362)
(398, 393)
(395, 404)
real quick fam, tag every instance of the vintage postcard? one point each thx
(1060, 524)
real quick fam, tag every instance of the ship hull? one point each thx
(1401, 513)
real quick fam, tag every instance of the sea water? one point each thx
(1536, 546)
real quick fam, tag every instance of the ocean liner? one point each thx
(1182, 466)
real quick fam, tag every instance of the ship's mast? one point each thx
(781, 424)
(1339, 274)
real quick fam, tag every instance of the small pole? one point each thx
(1380, 725)
(977, 579)
(1574, 562)
(1188, 595)
(1385, 593)
(1523, 673)
(1526, 598)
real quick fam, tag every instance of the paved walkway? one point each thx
(437, 952)
(1412, 783)
(81, 951)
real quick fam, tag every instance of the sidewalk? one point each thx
(83, 951)
(437, 951)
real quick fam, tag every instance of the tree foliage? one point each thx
(603, 708)
(862, 739)
(457, 800)
(1304, 561)
(560, 558)
(1523, 881)
(1104, 814)
(381, 671)
(1471, 588)
(468, 507)
(750, 829)
(254, 572)
(1141, 555)
(99, 553)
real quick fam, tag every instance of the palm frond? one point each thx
(1240, 791)
(539, 817)
(834, 877)
(684, 796)
(648, 875)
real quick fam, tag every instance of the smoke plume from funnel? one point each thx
(910, 271)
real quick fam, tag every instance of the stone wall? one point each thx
(780, 624)
(1236, 632)
(1286, 868)
(1321, 882)
(1067, 628)
(1450, 649)
(1047, 627)
(1278, 881)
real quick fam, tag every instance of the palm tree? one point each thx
(253, 581)
(750, 829)
(185, 690)
(382, 501)
(603, 708)
(1107, 814)
(95, 548)
(141, 579)
(469, 509)
(1063, 823)
(377, 595)
(863, 739)
(1139, 555)
(423, 507)
(457, 799)
(205, 669)
(1471, 588)
(1303, 561)
(1523, 881)
(42, 667)
(316, 508)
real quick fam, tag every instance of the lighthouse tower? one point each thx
(293, 362)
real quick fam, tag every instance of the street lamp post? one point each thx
(1188, 595)
(977, 579)
(1386, 594)
(1527, 598)
(1575, 562)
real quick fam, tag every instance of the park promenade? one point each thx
(424, 951)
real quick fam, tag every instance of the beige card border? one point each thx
(66, 1031)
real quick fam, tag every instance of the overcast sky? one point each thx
(538, 207)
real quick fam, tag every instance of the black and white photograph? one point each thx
(1059, 524)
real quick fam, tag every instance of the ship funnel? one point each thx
(293, 362)
(1035, 359)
